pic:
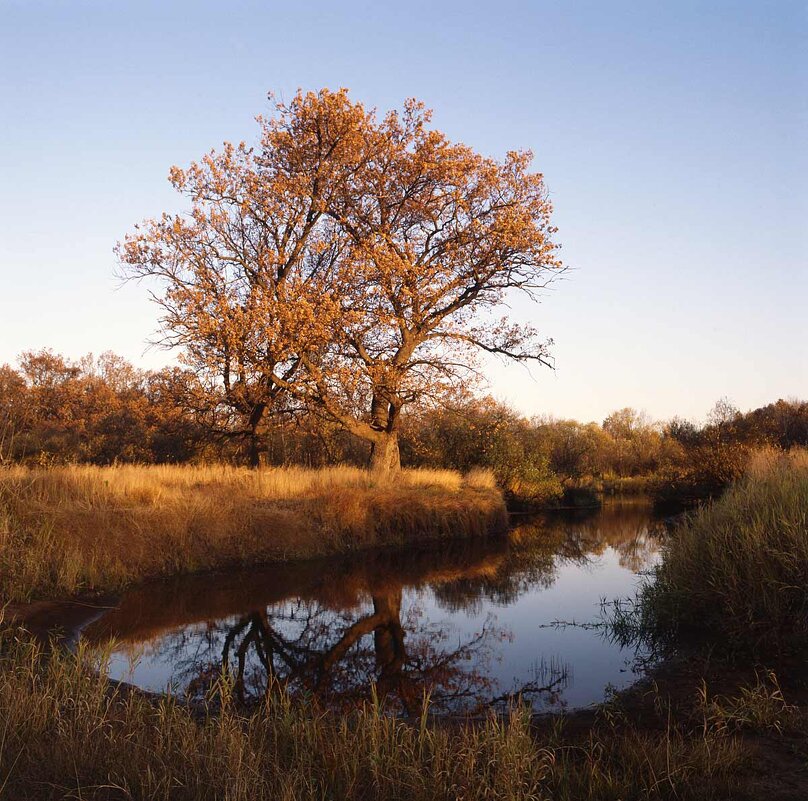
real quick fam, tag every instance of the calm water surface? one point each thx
(470, 622)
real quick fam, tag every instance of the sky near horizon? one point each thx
(672, 137)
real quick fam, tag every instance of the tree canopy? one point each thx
(348, 265)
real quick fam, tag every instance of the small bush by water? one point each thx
(69, 530)
(735, 574)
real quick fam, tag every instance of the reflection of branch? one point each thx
(620, 623)
(353, 633)
(532, 688)
(560, 625)
(324, 655)
(549, 681)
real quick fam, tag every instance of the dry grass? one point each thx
(66, 733)
(70, 530)
(758, 707)
(736, 573)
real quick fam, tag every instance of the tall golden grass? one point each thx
(736, 572)
(66, 733)
(69, 530)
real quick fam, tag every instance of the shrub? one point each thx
(736, 572)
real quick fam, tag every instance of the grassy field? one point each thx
(66, 734)
(72, 530)
(735, 574)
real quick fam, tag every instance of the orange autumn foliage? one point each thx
(348, 264)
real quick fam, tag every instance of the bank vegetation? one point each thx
(734, 577)
(103, 411)
(67, 733)
(66, 531)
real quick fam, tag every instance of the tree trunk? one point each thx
(254, 451)
(254, 448)
(384, 453)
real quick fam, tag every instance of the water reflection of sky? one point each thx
(591, 660)
(465, 621)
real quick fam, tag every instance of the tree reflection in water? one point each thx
(335, 629)
(307, 650)
(541, 544)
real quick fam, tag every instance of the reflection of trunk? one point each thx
(391, 655)
(388, 638)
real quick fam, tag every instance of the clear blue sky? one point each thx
(672, 136)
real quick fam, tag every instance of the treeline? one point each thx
(95, 410)
(542, 458)
(103, 410)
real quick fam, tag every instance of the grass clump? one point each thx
(758, 707)
(66, 732)
(71, 530)
(735, 574)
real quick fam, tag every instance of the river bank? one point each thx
(72, 531)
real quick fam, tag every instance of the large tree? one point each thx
(351, 264)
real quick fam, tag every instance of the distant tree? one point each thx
(478, 432)
(626, 423)
(783, 424)
(351, 265)
(685, 432)
(575, 449)
(14, 411)
(635, 442)
(97, 410)
(722, 419)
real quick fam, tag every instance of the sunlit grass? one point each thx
(68, 530)
(155, 484)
